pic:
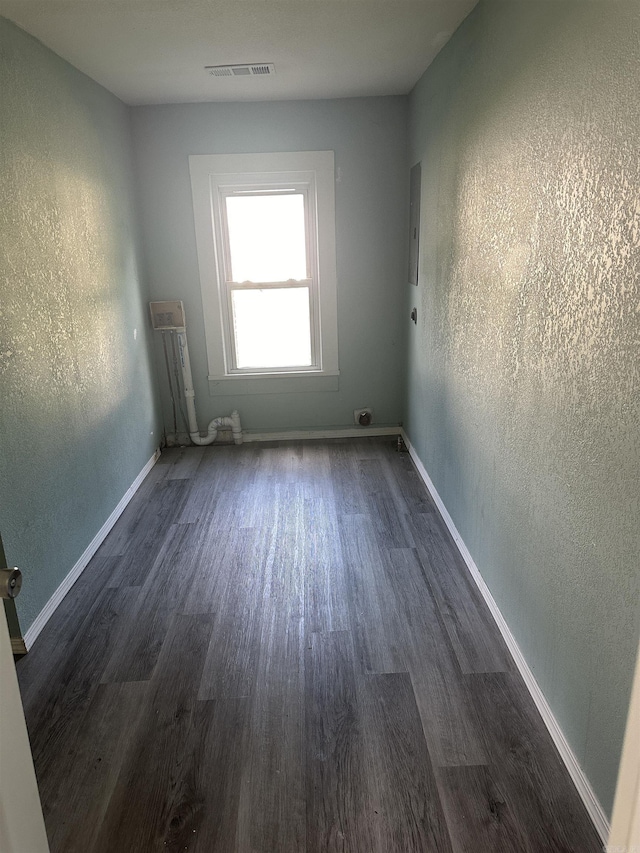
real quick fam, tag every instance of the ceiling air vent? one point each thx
(262, 69)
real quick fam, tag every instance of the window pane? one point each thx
(272, 327)
(267, 237)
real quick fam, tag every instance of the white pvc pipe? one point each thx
(212, 430)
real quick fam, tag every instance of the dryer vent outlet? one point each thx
(363, 417)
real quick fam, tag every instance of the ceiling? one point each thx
(154, 51)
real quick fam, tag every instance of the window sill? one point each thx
(283, 383)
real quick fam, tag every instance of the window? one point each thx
(265, 233)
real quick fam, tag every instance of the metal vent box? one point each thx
(167, 315)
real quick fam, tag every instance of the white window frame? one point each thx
(216, 175)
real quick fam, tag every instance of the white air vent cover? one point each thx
(261, 69)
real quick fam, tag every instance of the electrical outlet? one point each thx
(363, 416)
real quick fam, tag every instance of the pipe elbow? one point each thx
(196, 438)
(232, 422)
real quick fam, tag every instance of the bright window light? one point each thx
(272, 327)
(268, 279)
(267, 237)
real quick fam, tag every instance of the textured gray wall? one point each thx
(524, 396)
(77, 414)
(523, 371)
(368, 136)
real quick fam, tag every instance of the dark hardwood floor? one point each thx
(278, 650)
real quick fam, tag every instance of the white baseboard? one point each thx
(302, 434)
(50, 607)
(583, 786)
(182, 439)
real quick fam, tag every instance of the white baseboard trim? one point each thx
(583, 786)
(49, 609)
(302, 434)
(225, 437)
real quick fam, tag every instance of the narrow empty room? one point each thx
(319, 458)
(277, 648)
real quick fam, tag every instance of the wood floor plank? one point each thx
(286, 554)
(119, 536)
(87, 771)
(40, 670)
(167, 458)
(143, 632)
(254, 501)
(410, 484)
(184, 463)
(529, 768)
(376, 477)
(280, 461)
(449, 720)
(54, 718)
(326, 595)
(349, 494)
(315, 473)
(373, 616)
(143, 803)
(340, 808)
(225, 492)
(233, 508)
(208, 483)
(230, 669)
(271, 812)
(216, 562)
(203, 815)
(407, 813)
(386, 506)
(392, 528)
(478, 812)
(367, 447)
(149, 531)
(476, 643)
